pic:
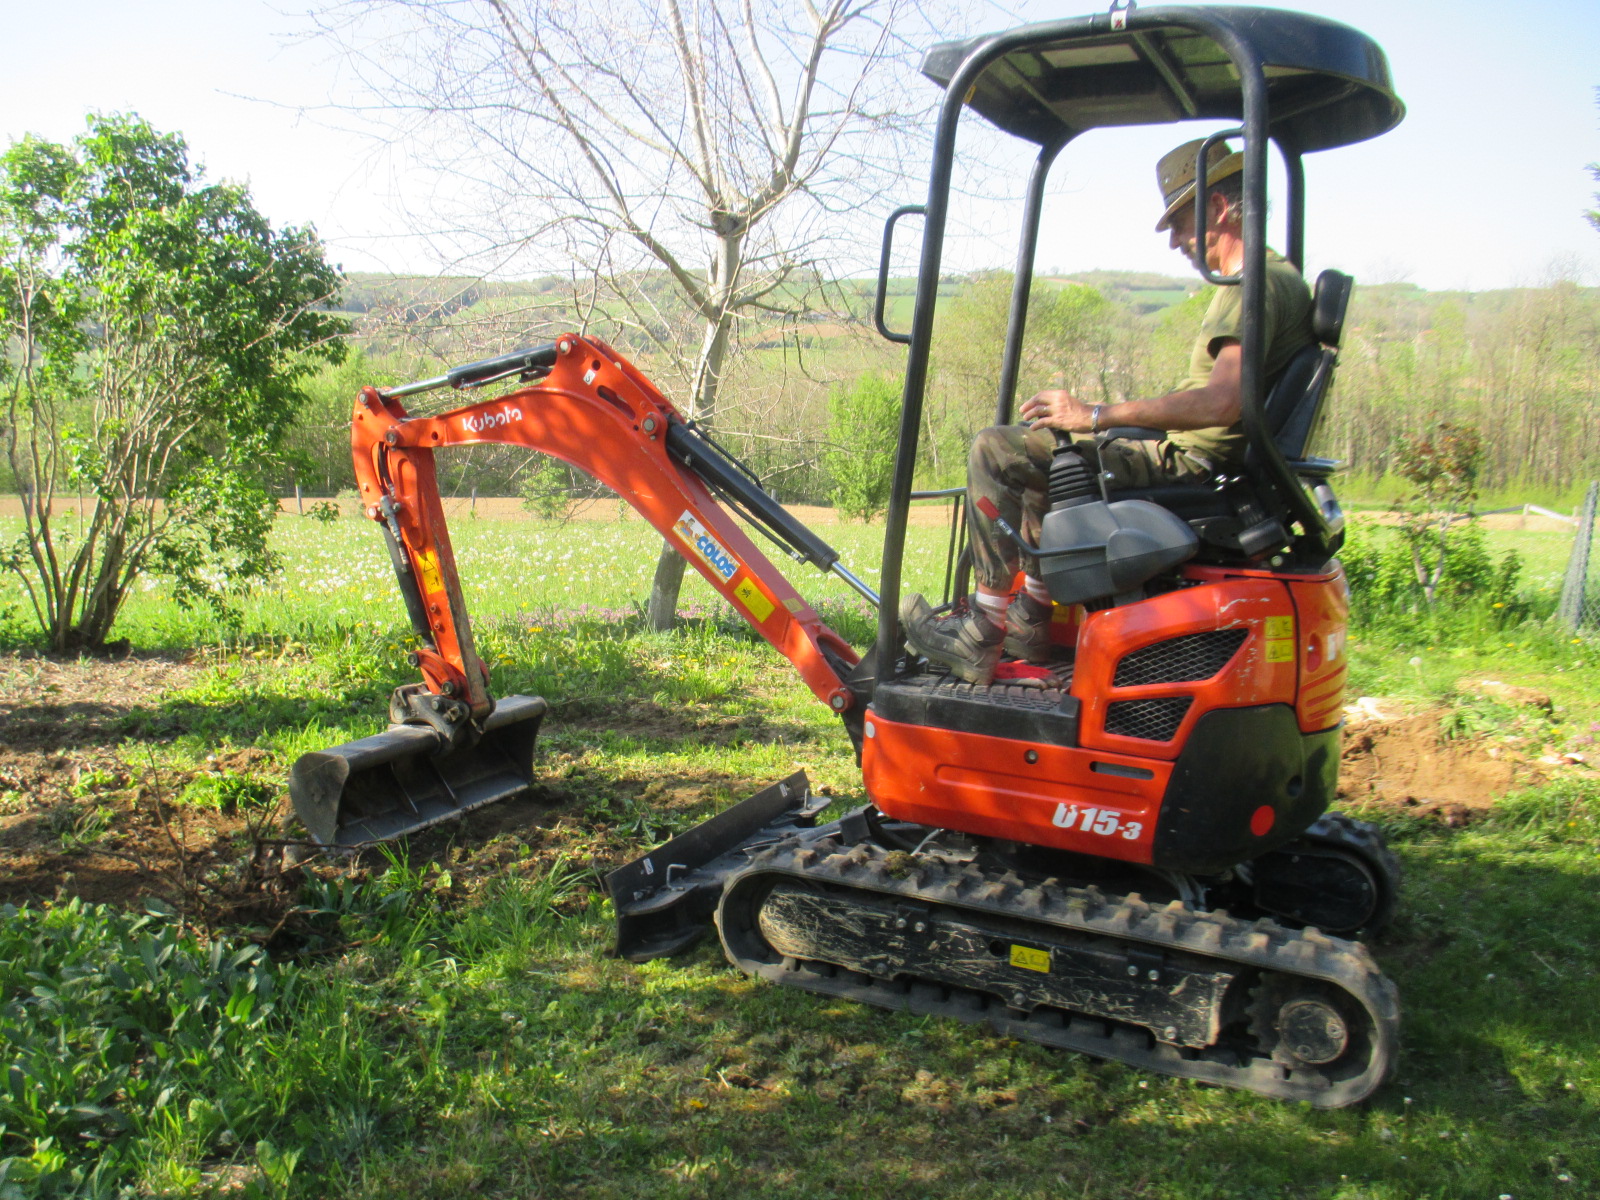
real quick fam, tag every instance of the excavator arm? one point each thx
(599, 413)
(587, 405)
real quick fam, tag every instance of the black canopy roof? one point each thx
(1327, 84)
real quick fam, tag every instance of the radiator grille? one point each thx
(1152, 720)
(1186, 659)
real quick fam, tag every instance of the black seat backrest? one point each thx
(1293, 407)
(1328, 302)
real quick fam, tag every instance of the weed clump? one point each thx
(119, 1026)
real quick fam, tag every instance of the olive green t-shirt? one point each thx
(1287, 315)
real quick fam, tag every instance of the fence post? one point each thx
(299, 511)
(1572, 588)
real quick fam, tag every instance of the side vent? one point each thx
(1152, 720)
(1186, 659)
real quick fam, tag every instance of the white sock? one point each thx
(1036, 589)
(993, 607)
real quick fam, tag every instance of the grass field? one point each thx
(444, 1020)
(337, 574)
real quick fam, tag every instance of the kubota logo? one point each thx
(491, 420)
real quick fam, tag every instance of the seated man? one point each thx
(1009, 464)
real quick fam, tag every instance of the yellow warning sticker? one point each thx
(1030, 959)
(1279, 627)
(428, 568)
(753, 598)
(1280, 650)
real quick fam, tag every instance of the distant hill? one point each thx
(436, 295)
(1141, 291)
(424, 299)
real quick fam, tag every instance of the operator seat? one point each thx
(1229, 517)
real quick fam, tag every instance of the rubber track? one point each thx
(928, 879)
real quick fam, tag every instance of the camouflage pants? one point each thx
(1010, 464)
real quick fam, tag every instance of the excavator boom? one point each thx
(450, 747)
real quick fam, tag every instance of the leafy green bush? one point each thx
(1383, 576)
(863, 427)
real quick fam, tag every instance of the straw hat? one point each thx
(1175, 174)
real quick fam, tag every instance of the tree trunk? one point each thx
(661, 613)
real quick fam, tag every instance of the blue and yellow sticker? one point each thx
(712, 552)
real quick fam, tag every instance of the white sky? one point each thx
(1482, 186)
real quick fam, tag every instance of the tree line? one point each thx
(1520, 365)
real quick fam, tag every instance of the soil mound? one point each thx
(1395, 759)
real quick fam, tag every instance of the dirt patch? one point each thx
(84, 813)
(89, 806)
(1404, 761)
(57, 704)
(648, 719)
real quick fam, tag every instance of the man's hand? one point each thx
(1056, 409)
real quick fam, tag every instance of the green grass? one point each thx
(452, 1024)
(336, 577)
(494, 1049)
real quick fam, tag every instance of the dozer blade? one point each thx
(396, 782)
(664, 900)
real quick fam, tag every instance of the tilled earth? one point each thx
(94, 805)
(82, 811)
(91, 806)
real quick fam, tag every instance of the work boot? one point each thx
(1028, 629)
(966, 642)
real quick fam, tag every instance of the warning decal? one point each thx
(753, 598)
(1280, 639)
(1030, 959)
(428, 568)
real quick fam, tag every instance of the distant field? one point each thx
(513, 562)
(510, 563)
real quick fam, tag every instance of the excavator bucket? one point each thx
(397, 782)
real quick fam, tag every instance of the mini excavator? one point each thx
(1134, 860)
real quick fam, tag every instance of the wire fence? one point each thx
(1580, 590)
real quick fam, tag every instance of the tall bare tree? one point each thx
(700, 158)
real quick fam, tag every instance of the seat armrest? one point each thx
(1316, 468)
(1131, 433)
